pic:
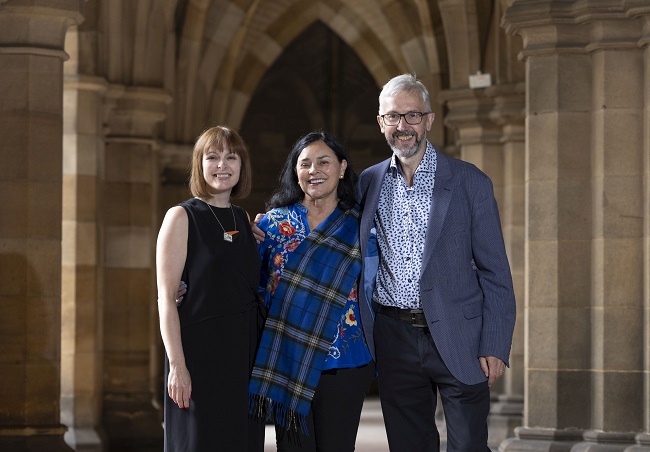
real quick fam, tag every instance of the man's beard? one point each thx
(405, 153)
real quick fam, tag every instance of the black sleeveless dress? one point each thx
(220, 328)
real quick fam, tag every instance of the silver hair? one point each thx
(404, 83)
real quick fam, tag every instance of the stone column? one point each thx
(489, 124)
(130, 228)
(643, 439)
(617, 237)
(81, 302)
(584, 83)
(477, 136)
(32, 37)
(641, 10)
(507, 412)
(558, 228)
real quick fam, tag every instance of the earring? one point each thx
(341, 176)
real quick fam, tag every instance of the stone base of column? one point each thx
(85, 439)
(34, 438)
(541, 440)
(642, 443)
(596, 441)
(550, 440)
(506, 414)
(132, 423)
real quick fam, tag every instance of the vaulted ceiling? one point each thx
(213, 55)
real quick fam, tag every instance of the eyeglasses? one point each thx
(412, 117)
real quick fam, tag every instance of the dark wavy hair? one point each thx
(289, 192)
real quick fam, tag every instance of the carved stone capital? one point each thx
(37, 27)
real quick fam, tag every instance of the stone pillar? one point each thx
(558, 228)
(130, 417)
(507, 412)
(584, 160)
(489, 124)
(617, 237)
(81, 302)
(477, 136)
(32, 37)
(641, 10)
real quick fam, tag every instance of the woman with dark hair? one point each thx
(290, 191)
(210, 337)
(313, 368)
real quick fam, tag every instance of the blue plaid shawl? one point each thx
(302, 319)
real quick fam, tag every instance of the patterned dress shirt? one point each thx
(401, 222)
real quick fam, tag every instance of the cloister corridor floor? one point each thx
(371, 436)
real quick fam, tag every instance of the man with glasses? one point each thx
(437, 303)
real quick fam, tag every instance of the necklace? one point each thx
(227, 235)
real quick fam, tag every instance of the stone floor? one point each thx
(371, 436)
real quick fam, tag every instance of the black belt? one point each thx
(413, 316)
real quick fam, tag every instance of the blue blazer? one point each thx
(465, 283)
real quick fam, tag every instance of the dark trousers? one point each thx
(410, 372)
(333, 420)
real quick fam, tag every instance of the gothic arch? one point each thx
(226, 50)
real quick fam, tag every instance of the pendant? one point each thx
(227, 237)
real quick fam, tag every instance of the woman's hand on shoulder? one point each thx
(257, 232)
(180, 293)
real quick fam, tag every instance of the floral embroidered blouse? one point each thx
(285, 229)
